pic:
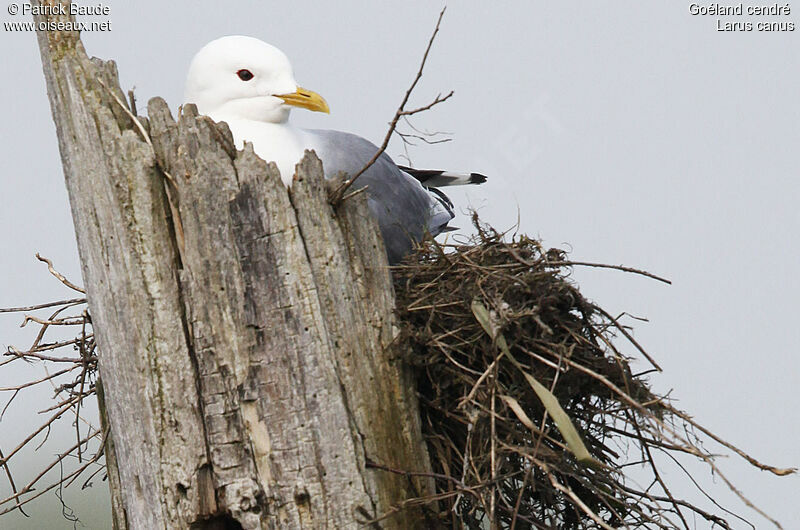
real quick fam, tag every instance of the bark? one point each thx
(245, 330)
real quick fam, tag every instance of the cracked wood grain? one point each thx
(247, 369)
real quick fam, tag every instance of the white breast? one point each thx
(274, 142)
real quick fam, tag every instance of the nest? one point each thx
(479, 321)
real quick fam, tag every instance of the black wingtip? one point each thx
(477, 178)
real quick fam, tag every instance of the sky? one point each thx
(627, 132)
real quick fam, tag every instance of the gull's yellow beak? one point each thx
(306, 99)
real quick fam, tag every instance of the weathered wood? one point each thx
(128, 265)
(246, 367)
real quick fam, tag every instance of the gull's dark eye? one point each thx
(245, 75)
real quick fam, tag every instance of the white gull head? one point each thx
(250, 85)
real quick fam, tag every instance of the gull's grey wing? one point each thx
(405, 210)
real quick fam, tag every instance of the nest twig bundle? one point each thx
(500, 459)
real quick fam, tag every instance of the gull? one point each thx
(250, 85)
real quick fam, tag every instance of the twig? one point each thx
(629, 337)
(76, 391)
(772, 469)
(467, 449)
(35, 433)
(58, 275)
(657, 475)
(707, 496)
(71, 321)
(41, 306)
(424, 136)
(11, 482)
(339, 192)
(578, 502)
(126, 110)
(169, 181)
(493, 450)
(406, 136)
(29, 487)
(37, 381)
(31, 353)
(604, 266)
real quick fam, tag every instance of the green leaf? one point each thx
(550, 402)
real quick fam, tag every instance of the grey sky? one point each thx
(631, 132)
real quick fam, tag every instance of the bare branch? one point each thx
(13, 486)
(37, 381)
(29, 488)
(72, 321)
(439, 99)
(42, 306)
(604, 266)
(339, 192)
(58, 275)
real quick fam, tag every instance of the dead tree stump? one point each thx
(244, 328)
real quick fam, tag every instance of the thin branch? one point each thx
(69, 321)
(13, 486)
(439, 99)
(605, 266)
(58, 275)
(42, 306)
(339, 192)
(37, 381)
(406, 136)
(578, 502)
(31, 436)
(30, 486)
(629, 337)
(772, 469)
(34, 353)
(657, 475)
